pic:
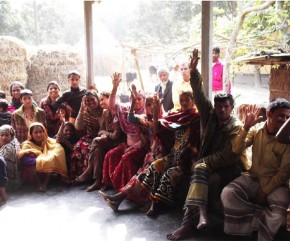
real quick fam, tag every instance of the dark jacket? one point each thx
(5, 118)
(73, 98)
(216, 147)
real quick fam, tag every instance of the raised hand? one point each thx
(134, 91)
(193, 59)
(83, 104)
(116, 79)
(61, 113)
(252, 116)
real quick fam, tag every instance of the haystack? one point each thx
(13, 62)
(280, 82)
(52, 64)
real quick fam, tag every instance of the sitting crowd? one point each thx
(155, 152)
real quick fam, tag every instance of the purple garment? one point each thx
(27, 161)
(122, 112)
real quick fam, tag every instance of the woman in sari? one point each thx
(164, 174)
(43, 154)
(122, 162)
(109, 136)
(88, 120)
(9, 148)
(133, 190)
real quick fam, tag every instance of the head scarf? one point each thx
(126, 126)
(7, 129)
(29, 136)
(53, 82)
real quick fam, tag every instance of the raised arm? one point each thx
(245, 136)
(79, 124)
(202, 102)
(116, 80)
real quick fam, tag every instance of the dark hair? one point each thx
(4, 104)
(2, 94)
(278, 103)
(71, 72)
(216, 50)
(106, 93)
(33, 127)
(223, 97)
(25, 92)
(52, 83)
(188, 93)
(16, 83)
(71, 125)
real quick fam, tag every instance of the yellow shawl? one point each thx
(50, 155)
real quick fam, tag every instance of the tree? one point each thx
(9, 20)
(234, 35)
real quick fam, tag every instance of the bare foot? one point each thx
(152, 211)
(180, 233)
(85, 176)
(203, 220)
(145, 208)
(112, 204)
(96, 185)
(104, 188)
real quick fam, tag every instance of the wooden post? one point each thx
(133, 52)
(89, 42)
(206, 47)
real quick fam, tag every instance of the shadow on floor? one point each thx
(70, 213)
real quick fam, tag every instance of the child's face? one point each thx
(67, 132)
(53, 91)
(27, 100)
(104, 102)
(5, 138)
(1, 109)
(16, 91)
(149, 107)
(74, 80)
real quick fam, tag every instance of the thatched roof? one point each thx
(13, 62)
(49, 64)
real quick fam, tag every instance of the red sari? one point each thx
(120, 166)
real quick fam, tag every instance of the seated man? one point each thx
(217, 165)
(258, 201)
(283, 135)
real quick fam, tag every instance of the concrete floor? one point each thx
(70, 213)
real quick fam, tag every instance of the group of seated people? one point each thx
(148, 155)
